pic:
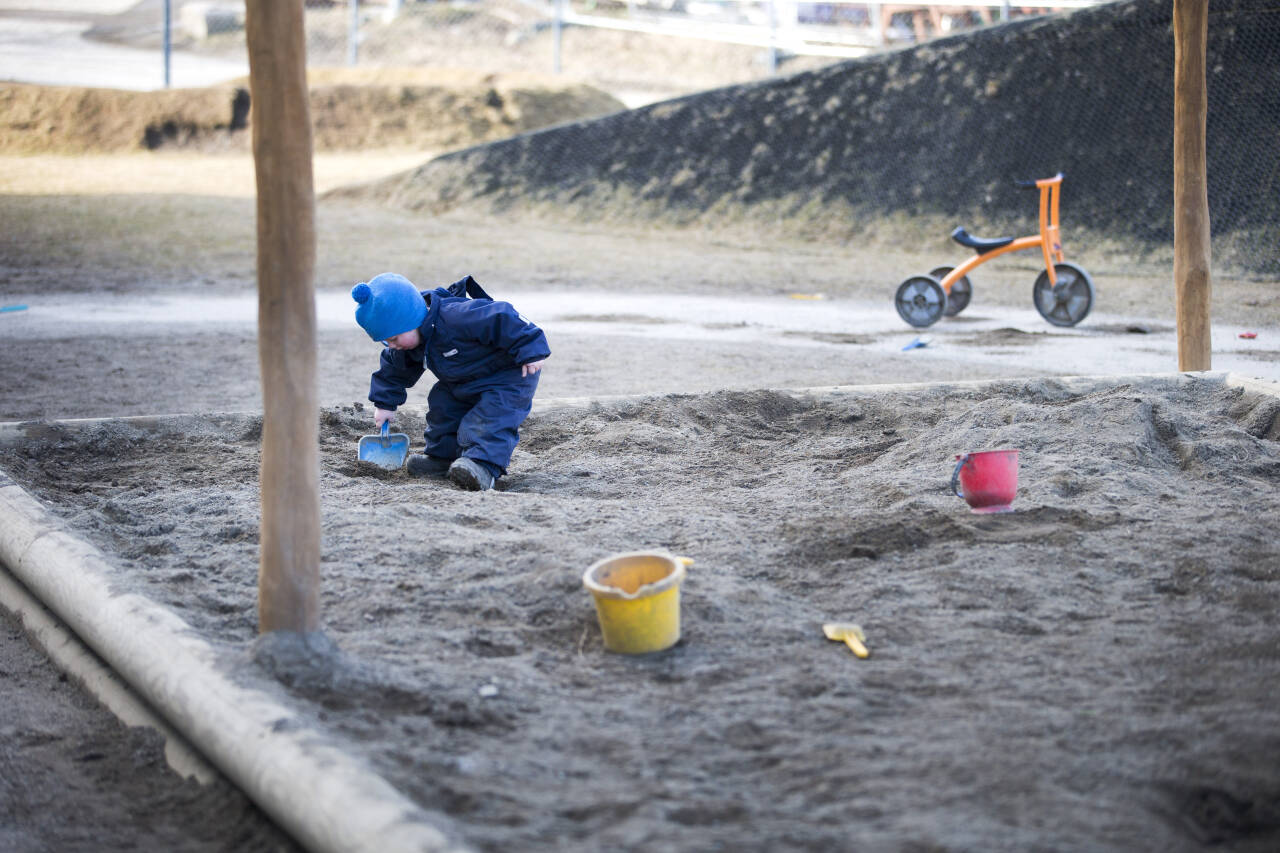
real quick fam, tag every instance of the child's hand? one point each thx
(382, 415)
(531, 368)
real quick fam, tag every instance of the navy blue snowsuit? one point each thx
(475, 348)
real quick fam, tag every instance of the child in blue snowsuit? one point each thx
(485, 356)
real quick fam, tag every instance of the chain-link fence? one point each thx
(645, 49)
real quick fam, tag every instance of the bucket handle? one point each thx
(589, 581)
(955, 475)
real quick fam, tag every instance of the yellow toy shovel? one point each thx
(849, 634)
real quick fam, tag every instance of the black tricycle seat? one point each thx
(978, 244)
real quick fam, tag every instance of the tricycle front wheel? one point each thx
(1068, 301)
(920, 301)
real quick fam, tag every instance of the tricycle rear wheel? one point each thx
(1069, 300)
(960, 294)
(920, 301)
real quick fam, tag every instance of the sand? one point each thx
(1094, 670)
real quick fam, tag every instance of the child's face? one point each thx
(405, 340)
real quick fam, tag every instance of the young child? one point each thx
(485, 356)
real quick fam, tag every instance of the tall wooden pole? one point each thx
(289, 538)
(1191, 184)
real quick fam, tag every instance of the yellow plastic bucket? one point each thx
(637, 597)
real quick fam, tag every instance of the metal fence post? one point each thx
(168, 40)
(353, 33)
(773, 36)
(556, 26)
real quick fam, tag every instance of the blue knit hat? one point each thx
(389, 304)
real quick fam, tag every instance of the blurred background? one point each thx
(639, 50)
(838, 122)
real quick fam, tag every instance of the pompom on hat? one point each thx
(387, 305)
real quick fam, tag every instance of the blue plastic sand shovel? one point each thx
(387, 450)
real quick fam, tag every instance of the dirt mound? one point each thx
(939, 129)
(75, 120)
(420, 108)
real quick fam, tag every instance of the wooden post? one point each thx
(289, 538)
(1191, 185)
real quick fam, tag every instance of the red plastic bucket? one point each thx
(987, 479)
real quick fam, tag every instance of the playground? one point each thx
(1092, 670)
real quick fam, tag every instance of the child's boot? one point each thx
(470, 475)
(428, 466)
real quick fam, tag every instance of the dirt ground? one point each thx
(72, 777)
(1036, 679)
(1092, 671)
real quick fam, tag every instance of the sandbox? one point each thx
(1094, 670)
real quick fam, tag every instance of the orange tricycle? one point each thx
(1063, 292)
